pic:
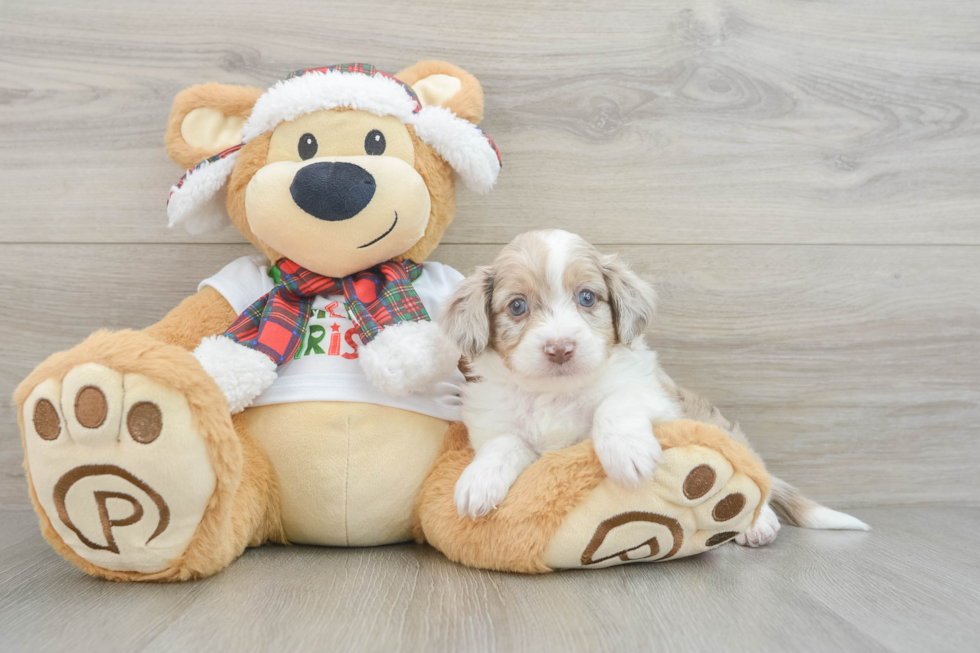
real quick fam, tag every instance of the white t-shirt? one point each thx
(325, 368)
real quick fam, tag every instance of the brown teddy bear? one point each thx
(305, 395)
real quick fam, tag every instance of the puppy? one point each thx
(553, 331)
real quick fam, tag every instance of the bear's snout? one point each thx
(332, 191)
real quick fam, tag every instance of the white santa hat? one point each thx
(196, 200)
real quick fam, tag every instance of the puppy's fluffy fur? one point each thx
(553, 331)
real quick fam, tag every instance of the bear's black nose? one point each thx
(332, 190)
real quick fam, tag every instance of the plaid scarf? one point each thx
(376, 298)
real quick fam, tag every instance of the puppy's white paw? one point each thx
(627, 449)
(763, 531)
(479, 491)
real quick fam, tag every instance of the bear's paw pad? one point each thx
(695, 502)
(117, 466)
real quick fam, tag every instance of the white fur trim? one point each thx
(314, 91)
(461, 144)
(241, 373)
(408, 358)
(199, 204)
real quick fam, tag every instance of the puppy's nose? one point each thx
(332, 191)
(559, 351)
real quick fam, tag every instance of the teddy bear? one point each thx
(305, 394)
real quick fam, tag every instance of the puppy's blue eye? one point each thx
(586, 299)
(517, 307)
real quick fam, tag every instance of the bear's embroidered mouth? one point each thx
(390, 229)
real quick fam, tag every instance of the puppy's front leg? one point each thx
(622, 433)
(485, 482)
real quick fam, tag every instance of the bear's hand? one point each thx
(408, 358)
(241, 373)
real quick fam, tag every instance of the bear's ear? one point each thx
(206, 119)
(443, 84)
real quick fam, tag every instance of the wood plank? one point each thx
(898, 588)
(50, 605)
(852, 369)
(696, 121)
(17, 527)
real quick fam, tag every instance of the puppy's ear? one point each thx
(632, 299)
(206, 119)
(465, 318)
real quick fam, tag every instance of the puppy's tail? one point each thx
(789, 503)
(795, 509)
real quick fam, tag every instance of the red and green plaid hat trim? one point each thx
(362, 69)
(210, 159)
(492, 145)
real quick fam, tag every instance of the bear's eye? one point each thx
(374, 143)
(586, 299)
(517, 307)
(307, 146)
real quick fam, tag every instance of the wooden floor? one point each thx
(902, 587)
(801, 180)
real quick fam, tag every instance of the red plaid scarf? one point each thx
(375, 298)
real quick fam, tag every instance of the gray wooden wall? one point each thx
(801, 179)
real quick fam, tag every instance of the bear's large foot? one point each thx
(695, 502)
(119, 464)
(563, 512)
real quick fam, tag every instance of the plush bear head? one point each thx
(338, 169)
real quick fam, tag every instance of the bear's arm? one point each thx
(205, 314)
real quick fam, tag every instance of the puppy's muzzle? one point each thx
(332, 191)
(559, 351)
